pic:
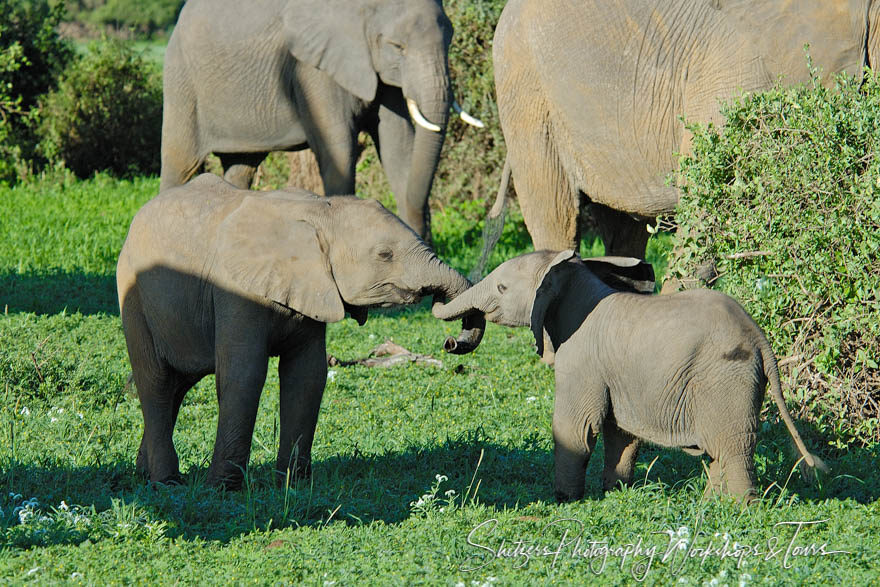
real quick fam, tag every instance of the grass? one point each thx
(390, 445)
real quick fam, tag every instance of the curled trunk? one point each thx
(450, 285)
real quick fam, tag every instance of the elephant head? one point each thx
(519, 291)
(355, 254)
(403, 44)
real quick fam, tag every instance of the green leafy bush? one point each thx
(32, 55)
(106, 113)
(472, 159)
(783, 205)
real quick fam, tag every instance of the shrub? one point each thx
(106, 113)
(472, 159)
(784, 200)
(32, 55)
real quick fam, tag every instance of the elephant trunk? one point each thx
(431, 103)
(466, 304)
(450, 285)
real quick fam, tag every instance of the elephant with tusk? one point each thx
(215, 279)
(687, 370)
(242, 79)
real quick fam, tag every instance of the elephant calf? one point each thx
(687, 370)
(214, 279)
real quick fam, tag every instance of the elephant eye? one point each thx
(386, 254)
(502, 288)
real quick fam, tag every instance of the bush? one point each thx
(472, 159)
(784, 200)
(32, 55)
(106, 114)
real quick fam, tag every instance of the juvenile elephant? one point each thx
(685, 370)
(214, 279)
(242, 79)
(590, 94)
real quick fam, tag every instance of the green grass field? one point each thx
(421, 474)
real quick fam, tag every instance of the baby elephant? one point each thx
(686, 370)
(214, 279)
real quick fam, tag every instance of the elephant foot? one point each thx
(229, 477)
(567, 496)
(171, 476)
(173, 480)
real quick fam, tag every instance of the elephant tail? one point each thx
(810, 462)
(494, 224)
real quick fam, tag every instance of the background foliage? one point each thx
(32, 55)
(106, 114)
(781, 209)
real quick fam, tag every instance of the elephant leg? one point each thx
(621, 450)
(239, 168)
(303, 375)
(576, 424)
(735, 459)
(623, 235)
(550, 204)
(328, 115)
(241, 358)
(181, 154)
(158, 386)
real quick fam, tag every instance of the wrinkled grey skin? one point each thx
(245, 78)
(214, 279)
(590, 94)
(685, 370)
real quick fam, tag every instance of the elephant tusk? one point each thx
(418, 118)
(467, 117)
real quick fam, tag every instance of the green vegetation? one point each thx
(72, 507)
(106, 114)
(784, 202)
(31, 58)
(419, 471)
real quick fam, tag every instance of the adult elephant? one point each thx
(245, 78)
(590, 94)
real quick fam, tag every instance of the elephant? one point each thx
(216, 279)
(684, 370)
(590, 95)
(242, 79)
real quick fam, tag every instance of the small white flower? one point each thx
(63, 506)
(531, 398)
(76, 575)
(53, 420)
(372, 337)
(744, 579)
(450, 493)
(25, 412)
(441, 478)
(726, 537)
(32, 571)
(683, 531)
(331, 375)
(79, 415)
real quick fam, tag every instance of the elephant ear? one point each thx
(550, 285)
(264, 249)
(329, 35)
(623, 273)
